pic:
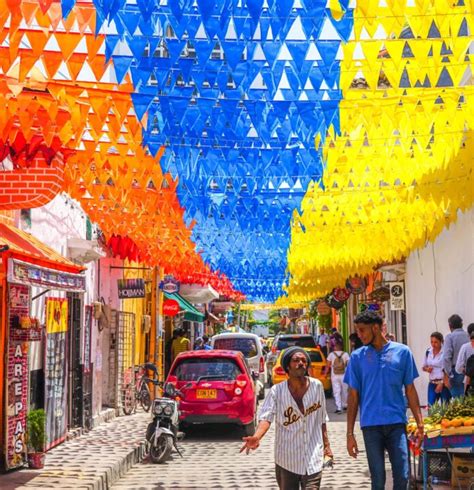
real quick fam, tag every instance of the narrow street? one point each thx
(211, 459)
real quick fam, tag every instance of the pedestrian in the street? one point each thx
(168, 352)
(323, 342)
(199, 344)
(335, 338)
(356, 343)
(180, 343)
(336, 367)
(377, 375)
(433, 364)
(452, 345)
(466, 352)
(298, 409)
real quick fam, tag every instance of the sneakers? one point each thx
(338, 411)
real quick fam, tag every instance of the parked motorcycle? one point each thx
(162, 433)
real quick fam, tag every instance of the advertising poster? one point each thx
(55, 383)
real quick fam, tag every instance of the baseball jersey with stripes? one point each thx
(298, 437)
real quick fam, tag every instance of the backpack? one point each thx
(339, 365)
(470, 367)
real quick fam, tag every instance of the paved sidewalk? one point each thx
(94, 461)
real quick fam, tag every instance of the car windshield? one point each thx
(315, 356)
(285, 342)
(212, 368)
(247, 346)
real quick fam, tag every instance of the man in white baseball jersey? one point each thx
(298, 408)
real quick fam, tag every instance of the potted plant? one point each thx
(36, 436)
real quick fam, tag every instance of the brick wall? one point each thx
(31, 187)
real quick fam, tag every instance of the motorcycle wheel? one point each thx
(145, 399)
(160, 452)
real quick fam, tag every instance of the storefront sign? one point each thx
(87, 338)
(17, 403)
(323, 308)
(17, 380)
(20, 272)
(131, 288)
(55, 384)
(169, 285)
(170, 307)
(356, 284)
(341, 294)
(397, 295)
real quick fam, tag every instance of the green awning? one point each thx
(190, 313)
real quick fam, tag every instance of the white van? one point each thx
(251, 347)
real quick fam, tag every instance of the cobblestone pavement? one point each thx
(93, 461)
(211, 459)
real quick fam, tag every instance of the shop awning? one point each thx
(198, 294)
(25, 247)
(190, 313)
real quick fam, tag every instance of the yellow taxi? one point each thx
(318, 368)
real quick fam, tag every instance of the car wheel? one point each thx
(249, 429)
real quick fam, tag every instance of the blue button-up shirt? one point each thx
(380, 378)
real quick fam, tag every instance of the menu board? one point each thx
(17, 380)
(55, 373)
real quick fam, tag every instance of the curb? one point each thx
(94, 461)
(118, 470)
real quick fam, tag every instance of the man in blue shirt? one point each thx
(378, 374)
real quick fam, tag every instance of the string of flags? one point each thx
(252, 144)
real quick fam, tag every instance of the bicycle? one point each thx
(139, 392)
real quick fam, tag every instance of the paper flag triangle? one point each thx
(67, 43)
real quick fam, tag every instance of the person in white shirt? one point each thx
(433, 364)
(336, 366)
(323, 342)
(298, 409)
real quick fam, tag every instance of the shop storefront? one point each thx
(188, 318)
(36, 312)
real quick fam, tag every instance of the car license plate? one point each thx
(211, 394)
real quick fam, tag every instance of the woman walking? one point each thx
(433, 365)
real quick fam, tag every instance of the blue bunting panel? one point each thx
(237, 91)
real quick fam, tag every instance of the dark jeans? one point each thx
(433, 397)
(457, 385)
(393, 439)
(292, 481)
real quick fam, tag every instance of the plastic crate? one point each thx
(439, 466)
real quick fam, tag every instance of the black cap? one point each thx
(288, 354)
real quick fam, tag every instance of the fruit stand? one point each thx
(448, 427)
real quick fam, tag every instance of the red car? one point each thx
(218, 387)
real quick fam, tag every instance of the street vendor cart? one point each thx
(436, 461)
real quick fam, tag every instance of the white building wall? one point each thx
(53, 224)
(440, 282)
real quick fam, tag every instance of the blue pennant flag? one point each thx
(66, 7)
(121, 66)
